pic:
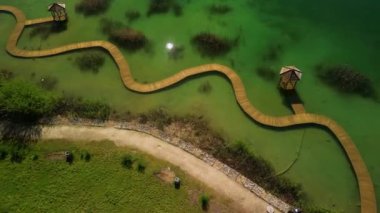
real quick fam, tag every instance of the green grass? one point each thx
(99, 185)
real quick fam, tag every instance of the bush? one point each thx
(17, 155)
(141, 166)
(34, 157)
(90, 61)
(127, 161)
(3, 153)
(24, 101)
(86, 156)
(211, 45)
(76, 107)
(204, 200)
(92, 7)
(128, 38)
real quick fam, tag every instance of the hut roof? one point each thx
(294, 69)
(55, 6)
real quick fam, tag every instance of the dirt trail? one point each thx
(193, 166)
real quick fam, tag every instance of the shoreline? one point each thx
(162, 135)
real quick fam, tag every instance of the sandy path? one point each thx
(193, 166)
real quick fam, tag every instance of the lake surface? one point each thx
(303, 33)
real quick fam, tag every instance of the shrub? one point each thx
(92, 7)
(211, 45)
(90, 61)
(127, 161)
(17, 155)
(205, 88)
(3, 153)
(204, 200)
(141, 166)
(219, 9)
(86, 156)
(24, 101)
(128, 38)
(34, 157)
(79, 108)
(132, 15)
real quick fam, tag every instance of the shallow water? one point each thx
(309, 33)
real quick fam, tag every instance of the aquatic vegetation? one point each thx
(205, 88)
(90, 61)
(177, 9)
(45, 30)
(132, 15)
(266, 73)
(219, 9)
(48, 82)
(128, 38)
(92, 7)
(107, 25)
(159, 6)
(78, 108)
(164, 6)
(6, 74)
(347, 80)
(211, 45)
(273, 53)
(176, 52)
(23, 101)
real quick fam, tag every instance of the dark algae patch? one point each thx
(347, 80)
(92, 7)
(209, 44)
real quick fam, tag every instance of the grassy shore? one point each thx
(40, 183)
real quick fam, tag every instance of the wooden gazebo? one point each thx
(58, 11)
(289, 76)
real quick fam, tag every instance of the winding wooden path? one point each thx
(366, 188)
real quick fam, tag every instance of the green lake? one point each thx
(308, 33)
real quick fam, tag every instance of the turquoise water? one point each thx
(309, 32)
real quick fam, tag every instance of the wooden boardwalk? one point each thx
(366, 188)
(298, 108)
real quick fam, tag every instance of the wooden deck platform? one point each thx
(298, 108)
(366, 188)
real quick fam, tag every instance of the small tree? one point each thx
(127, 161)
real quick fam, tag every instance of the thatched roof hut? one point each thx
(289, 76)
(58, 11)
